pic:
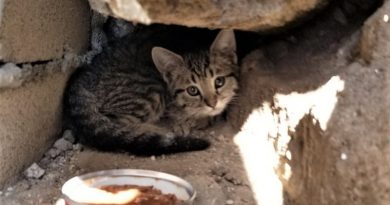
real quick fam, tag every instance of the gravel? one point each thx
(34, 172)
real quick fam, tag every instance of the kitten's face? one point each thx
(202, 84)
(206, 91)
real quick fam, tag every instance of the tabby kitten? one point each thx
(123, 102)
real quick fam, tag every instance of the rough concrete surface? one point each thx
(238, 14)
(39, 30)
(30, 120)
(320, 114)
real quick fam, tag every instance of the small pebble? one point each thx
(220, 138)
(53, 153)
(153, 158)
(34, 172)
(45, 161)
(68, 136)
(229, 202)
(77, 147)
(9, 189)
(51, 176)
(63, 145)
(343, 156)
(386, 18)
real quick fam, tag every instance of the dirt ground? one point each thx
(216, 174)
(307, 128)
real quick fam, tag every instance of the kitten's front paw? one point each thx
(181, 130)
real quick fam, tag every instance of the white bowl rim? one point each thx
(133, 172)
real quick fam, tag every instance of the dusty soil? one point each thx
(217, 174)
(306, 129)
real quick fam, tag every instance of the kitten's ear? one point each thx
(166, 61)
(224, 44)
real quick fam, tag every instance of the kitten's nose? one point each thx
(211, 102)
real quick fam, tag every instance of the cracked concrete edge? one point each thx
(13, 75)
(31, 110)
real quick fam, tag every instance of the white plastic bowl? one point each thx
(168, 184)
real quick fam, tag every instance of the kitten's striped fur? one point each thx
(123, 101)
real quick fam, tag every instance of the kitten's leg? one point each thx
(189, 127)
(157, 138)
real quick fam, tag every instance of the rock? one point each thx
(45, 161)
(77, 147)
(239, 14)
(229, 202)
(63, 145)
(34, 172)
(10, 75)
(68, 136)
(220, 138)
(53, 153)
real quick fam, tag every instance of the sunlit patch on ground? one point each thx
(263, 140)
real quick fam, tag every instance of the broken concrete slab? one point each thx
(41, 30)
(238, 14)
(31, 118)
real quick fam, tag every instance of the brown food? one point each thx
(148, 196)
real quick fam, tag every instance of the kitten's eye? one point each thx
(193, 91)
(219, 82)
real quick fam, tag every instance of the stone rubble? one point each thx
(229, 202)
(68, 136)
(34, 172)
(63, 145)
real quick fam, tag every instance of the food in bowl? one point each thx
(147, 195)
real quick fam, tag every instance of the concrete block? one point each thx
(30, 120)
(39, 30)
(239, 14)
